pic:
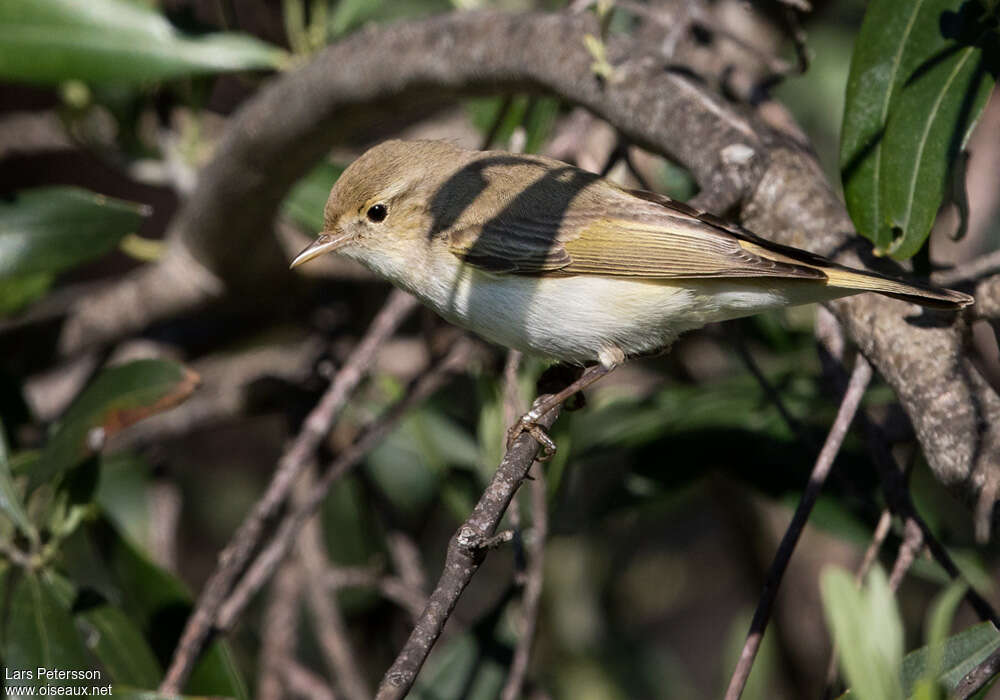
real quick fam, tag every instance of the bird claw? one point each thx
(526, 424)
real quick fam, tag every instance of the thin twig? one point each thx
(279, 633)
(465, 554)
(878, 539)
(970, 270)
(406, 560)
(831, 341)
(845, 415)
(535, 569)
(871, 554)
(392, 588)
(909, 548)
(770, 391)
(498, 120)
(164, 499)
(532, 596)
(271, 556)
(327, 620)
(304, 683)
(233, 559)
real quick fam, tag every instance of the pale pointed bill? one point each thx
(324, 243)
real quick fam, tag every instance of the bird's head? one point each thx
(381, 202)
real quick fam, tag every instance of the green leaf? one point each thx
(536, 115)
(459, 670)
(121, 648)
(111, 634)
(939, 619)
(50, 229)
(160, 604)
(868, 632)
(20, 290)
(116, 398)
(929, 125)
(877, 73)
(307, 199)
(960, 654)
(10, 498)
(916, 87)
(51, 41)
(351, 14)
(40, 633)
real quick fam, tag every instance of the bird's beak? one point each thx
(325, 243)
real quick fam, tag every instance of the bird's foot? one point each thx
(528, 423)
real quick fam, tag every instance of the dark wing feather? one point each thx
(616, 233)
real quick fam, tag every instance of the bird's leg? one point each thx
(528, 423)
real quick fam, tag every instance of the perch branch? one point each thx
(860, 379)
(465, 553)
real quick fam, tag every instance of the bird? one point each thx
(540, 256)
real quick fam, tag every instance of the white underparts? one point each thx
(584, 318)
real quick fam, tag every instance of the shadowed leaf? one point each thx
(116, 398)
(959, 655)
(40, 633)
(50, 229)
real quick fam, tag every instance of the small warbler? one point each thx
(540, 256)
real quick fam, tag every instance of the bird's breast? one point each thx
(579, 318)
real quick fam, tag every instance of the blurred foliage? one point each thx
(664, 486)
(51, 41)
(867, 630)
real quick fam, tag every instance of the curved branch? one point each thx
(387, 73)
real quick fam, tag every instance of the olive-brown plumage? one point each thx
(542, 256)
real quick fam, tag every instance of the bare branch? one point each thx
(897, 494)
(304, 683)
(271, 556)
(878, 538)
(465, 554)
(860, 379)
(327, 621)
(406, 560)
(909, 548)
(532, 597)
(971, 270)
(233, 559)
(279, 633)
(393, 588)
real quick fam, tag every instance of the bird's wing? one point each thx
(634, 234)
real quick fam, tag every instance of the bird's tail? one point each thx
(862, 281)
(846, 278)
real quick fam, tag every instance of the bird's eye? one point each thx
(377, 213)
